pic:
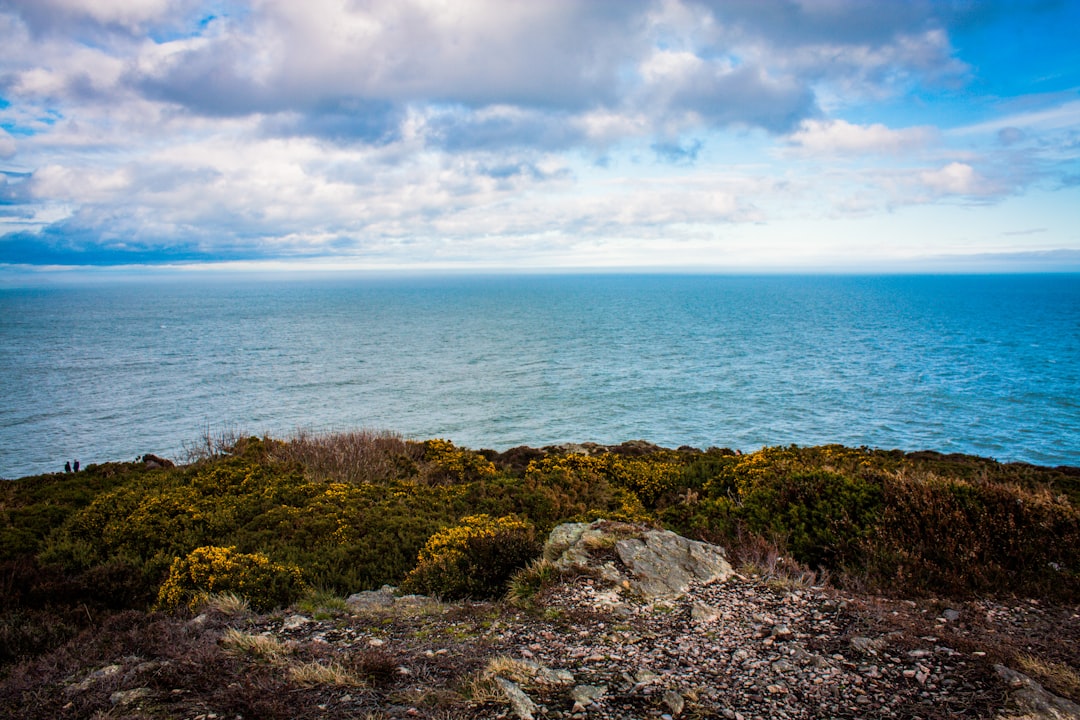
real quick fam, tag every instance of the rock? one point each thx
(664, 564)
(523, 706)
(781, 632)
(645, 677)
(654, 564)
(869, 646)
(153, 461)
(126, 697)
(702, 613)
(546, 675)
(93, 678)
(371, 599)
(585, 695)
(675, 702)
(1030, 701)
(295, 622)
(951, 615)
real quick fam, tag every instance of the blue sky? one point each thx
(705, 135)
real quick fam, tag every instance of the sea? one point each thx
(986, 365)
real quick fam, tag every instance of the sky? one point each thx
(700, 135)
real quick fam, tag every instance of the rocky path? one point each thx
(738, 649)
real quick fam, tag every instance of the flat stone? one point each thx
(371, 599)
(126, 697)
(523, 706)
(295, 622)
(704, 613)
(674, 701)
(586, 695)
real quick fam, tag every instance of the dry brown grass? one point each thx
(227, 604)
(360, 456)
(314, 673)
(510, 668)
(1056, 677)
(264, 647)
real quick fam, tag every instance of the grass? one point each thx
(530, 580)
(1054, 676)
(227, 604)
(322, 604)
(262, 647)
(314, 673)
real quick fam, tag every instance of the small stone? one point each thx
(126, 697)
(870, 646)
(703, 613)
(376, 642)
(782, 632)
(295, 622)
(586, 695)
(674, 701)
(644, 677)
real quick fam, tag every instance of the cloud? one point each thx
(838, 137)
(238, 128)
(7, 145)
(958, 178)
(97, 16)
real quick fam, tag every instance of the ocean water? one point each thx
(988, 365)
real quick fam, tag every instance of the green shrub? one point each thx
(212, 570)
(822, 517)
(474, 559)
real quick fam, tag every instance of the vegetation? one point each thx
(268, 520)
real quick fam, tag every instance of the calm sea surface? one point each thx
(987, 365)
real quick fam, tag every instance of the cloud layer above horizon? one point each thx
(733, 134)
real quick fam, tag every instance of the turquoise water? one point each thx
(988, 365)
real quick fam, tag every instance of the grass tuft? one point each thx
(311, 674)
(263, 647)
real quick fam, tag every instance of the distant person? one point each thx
(67, 466)
(76, 466)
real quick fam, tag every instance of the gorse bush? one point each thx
(357, 510)
(445, 463)
(210, 570)
(474, 559)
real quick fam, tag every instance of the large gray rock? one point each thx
(654, 564)
(1028, 700)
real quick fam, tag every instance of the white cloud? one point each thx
(79, 184)
(355, 126)
(828, 137)
(7, 145)
(956, 179)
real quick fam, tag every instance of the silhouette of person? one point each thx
(76, 466)
(67, 466)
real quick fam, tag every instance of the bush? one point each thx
(823, 517)
(474, 559)
(445, 463)
(956, 537)
(207, 570)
